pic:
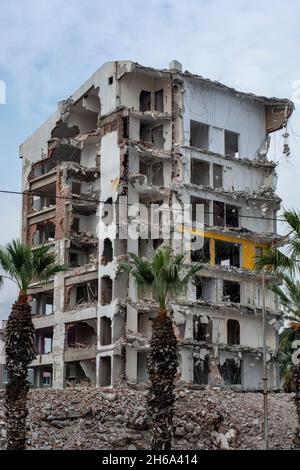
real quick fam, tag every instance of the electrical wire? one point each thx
(99, 201)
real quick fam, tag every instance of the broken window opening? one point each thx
(42, 304)
(80, 334)
(200, 211)
(201, 371)
(231, 291)
(231, 372)
(199, 172)
(232, 216)
(142, 373)
(125, 128)
(225, 215)
(110, 80)
(79, 258)
(202, 328)
(144, 324)
(203, 253)
(76, 372)
(106, 290)
(44, 198)
(199, 135)
(231, 144)
(76, 188)
(44, 233)
(107, 254)
(227, 254)
(217, 176)
(105, 331)
(84, 293)
(153, 135)
(105, 371)
(44, 340)
(204, 288)
(233, 332)
(62, 130)
(218, 209)
(145, 100)
(159, 100)
(107, 212)
(153, 171)
(75, 225)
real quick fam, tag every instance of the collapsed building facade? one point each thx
(170, 138)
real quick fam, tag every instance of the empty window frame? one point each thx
(75, 225)
(153, 171)
(201, 371)
(225, 214)
(159, 100)
(217, 176)
(202, 328)
(44, 340)
(107, 254)
(205, 288)
(107, 216)
(80, 334)
(233, 332)
(105, 371)
(157, 137)
(232, 291)
(106, 290)
(76, 188)
(199, 135)
(145, 100)
(231, 144)
(227, 254)
(231, 372)
(199, 172)
(153, 135)
(87, 292)
(232, 216)
(200, 211)
(105, 331)
(219, 212)
(203, 252)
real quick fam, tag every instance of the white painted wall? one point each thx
(224, 111)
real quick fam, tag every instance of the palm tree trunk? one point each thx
(296, 376)
(296, 380)
(20, 351)
(162, 368)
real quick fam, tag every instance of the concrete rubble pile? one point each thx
(115, 418)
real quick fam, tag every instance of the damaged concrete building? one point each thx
(153, 136)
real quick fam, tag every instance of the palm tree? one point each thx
(289, 297)
(24, 267)
(164, 277)
(287, 265)
(288, 262)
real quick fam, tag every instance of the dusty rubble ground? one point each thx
(105, 418)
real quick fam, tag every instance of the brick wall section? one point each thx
(26, 203)
(62, 214)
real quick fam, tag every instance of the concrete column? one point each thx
(187, 365)
(131, 365)
(58, 355)
(97, 369)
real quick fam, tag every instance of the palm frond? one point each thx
(25, 266)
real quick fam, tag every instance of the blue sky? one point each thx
(47, 49)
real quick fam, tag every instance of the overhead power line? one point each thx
(99, 201)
